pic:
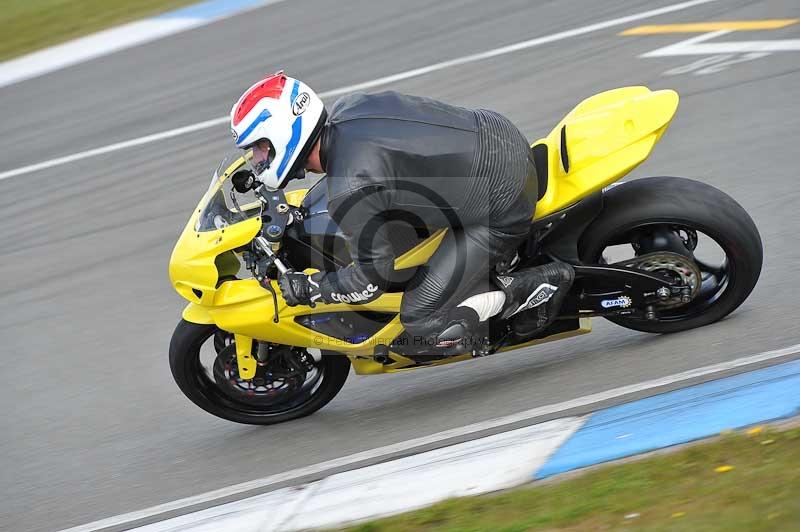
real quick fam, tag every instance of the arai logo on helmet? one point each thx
(235, 135)
(301, 103)
(622, 301)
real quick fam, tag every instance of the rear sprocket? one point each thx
(677, 267)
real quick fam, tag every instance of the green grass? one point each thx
(29, 25)
(680, 491)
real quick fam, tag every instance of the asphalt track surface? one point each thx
(93, 424)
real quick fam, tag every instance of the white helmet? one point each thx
(277, 121)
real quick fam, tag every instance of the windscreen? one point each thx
(224, 206)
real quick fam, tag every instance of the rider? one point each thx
(389, 156)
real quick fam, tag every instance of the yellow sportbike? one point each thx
(657, 254)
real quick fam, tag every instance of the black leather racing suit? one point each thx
(389, 155)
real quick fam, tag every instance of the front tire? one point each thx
(201, 388)
(680, 202)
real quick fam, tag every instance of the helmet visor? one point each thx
(259, 156)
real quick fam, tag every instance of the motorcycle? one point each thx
(656, 254)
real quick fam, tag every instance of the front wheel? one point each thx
(684, 217)
(292, 384)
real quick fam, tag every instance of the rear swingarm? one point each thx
(598, 293)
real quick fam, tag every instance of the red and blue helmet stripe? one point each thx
(284, 111)
(297, 129)
(271, 87)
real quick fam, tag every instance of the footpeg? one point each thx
(381, 354)
(480, 352)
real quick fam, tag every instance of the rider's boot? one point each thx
(465, 328)
(534, 295)
(465, 332)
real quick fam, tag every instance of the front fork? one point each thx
(244, 356)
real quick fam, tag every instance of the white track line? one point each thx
(524, 45)
(698, 46)
(491, 463)
(114, 147)
(388, 450)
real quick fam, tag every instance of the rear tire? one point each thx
(194, 381)
(680, 201)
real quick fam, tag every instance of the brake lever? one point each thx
(274, 300)
(260, 267)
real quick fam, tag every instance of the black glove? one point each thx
(299, 289)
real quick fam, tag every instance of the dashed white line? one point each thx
(495, 52)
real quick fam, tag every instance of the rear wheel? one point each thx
(665, 217)
(291, 384)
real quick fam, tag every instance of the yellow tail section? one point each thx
(600, 141)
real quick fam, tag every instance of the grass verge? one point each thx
(29, 25)
(746, 481)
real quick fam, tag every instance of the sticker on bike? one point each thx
(620, 302)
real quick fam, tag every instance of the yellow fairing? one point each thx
(244, 308)
(295, 197)
(606, 136)
(198, 256)
(197, 314)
